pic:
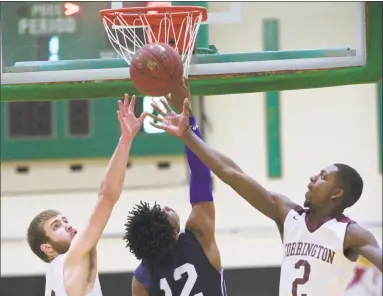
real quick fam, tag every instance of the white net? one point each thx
(127, 38)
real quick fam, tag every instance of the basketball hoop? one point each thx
(129, 29)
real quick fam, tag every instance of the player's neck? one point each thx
(321, 215)
(53, 257)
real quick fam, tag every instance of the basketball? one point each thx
(155, 68)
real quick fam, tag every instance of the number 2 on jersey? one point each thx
(303, 280)
(187, 268)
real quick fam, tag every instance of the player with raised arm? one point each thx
(72, 256)
(175, 262)
(321, 244)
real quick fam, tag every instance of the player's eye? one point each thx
(55, 227)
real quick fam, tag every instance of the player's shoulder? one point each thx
(190, 243)
(283, 206)
(295, 211)
(343, 225)
(142, 274)
(58, 261)
(54, 272)
(357, 236)
(299, 210)
(356, 233)
(345, 219)
(187, 235)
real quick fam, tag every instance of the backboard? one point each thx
(52, 46)
(55, 51)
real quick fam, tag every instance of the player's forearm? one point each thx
(200, 176)
(220, 165)
(113, 181)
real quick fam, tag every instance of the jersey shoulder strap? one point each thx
(142, 275)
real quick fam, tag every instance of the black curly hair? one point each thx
(149, 235)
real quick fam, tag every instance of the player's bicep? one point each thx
(88, 238)
(138, 289)
(201, 220)
(362, 242)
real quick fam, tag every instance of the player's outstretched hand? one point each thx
(171, 122)
(179, 93)
(129, 123)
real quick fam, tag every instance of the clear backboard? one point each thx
(57, 51)
(49, 47)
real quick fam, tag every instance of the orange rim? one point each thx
(156, 15)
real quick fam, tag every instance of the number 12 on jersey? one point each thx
(192, 276)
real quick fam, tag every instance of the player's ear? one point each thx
(337, 193)
(46, 248)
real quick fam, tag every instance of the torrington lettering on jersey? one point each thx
(310, 250)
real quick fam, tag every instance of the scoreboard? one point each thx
(43, 31)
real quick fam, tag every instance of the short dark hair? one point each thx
(149, 235)
(36, 234)
(351, 182)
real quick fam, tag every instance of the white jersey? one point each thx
(55, 279)
(314, 263)
(367, 281)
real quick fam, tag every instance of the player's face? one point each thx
(60, 235)
(322, 187)
(173, 218)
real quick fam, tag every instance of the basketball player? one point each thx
(321, 244)
(72, 256)
(173, 262)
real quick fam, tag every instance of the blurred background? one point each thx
(53, 154)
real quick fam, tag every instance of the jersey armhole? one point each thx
(347, 221)
(190, 236)
(297, 210)
(142, 275)
(293, 212)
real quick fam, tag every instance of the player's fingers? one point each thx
(155, 117)
(120, 106)
(158, 109)
(119, 116)
(131, 104)
(126, 102)
(168, 97)
(186, 82)
(121, 120)
(166, 105)
(186, 107)
(143, 116)
(159, 126)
